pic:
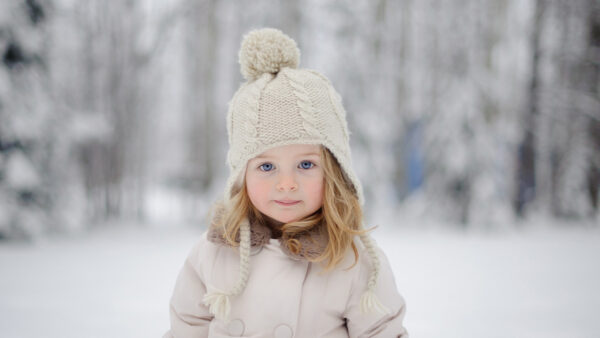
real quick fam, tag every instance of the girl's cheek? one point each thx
(316, 188)
(257, 187)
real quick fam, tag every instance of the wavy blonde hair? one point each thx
(340, 215)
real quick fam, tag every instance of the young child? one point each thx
(280, 257)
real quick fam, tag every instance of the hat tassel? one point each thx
(369, 303)
(218, 304)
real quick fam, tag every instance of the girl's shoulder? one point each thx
(360, 268)
(202, 250)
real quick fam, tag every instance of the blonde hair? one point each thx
(341, 216)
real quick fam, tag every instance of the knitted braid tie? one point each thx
(369, 301)
(218, 301)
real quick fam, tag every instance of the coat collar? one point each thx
(312, 242)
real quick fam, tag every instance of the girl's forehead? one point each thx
(293, 150)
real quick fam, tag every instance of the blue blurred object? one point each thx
(414, 157)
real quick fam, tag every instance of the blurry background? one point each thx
(475, 132)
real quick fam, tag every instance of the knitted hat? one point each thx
(278, 105)
(281, 105)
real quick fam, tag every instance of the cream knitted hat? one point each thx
(281, 105)
(278, 105)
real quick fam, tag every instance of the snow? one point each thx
(116, 282)
(112, 283)
(534, 284)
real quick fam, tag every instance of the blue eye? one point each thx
(306, 164)
(266, 167)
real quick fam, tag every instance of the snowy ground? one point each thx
(116, 283)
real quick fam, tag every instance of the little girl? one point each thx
(280, 257)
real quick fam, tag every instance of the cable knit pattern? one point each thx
(336, 103)
(254, 93)
(305, 106)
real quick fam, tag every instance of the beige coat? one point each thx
(286, 296)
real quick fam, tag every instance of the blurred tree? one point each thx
(567, 110)
(526, 154)
(201, 36)
(458, 108)
(26, 137)
(104, 78)
(591, 71)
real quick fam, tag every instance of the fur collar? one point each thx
(312, 242)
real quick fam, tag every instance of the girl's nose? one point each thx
(287, 183)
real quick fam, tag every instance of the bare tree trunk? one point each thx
(399, 114)
(526, 168)
(591, 83)
(201, 36)
(114, 84)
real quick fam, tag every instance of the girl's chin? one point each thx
(285, 219)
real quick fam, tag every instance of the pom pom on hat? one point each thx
(267, 50)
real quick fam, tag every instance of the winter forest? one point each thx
(477, 112)
(467, 118)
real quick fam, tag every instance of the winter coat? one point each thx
(285, 296)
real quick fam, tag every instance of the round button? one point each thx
(283, 331)
(235, 327)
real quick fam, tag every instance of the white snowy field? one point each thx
(117, 282)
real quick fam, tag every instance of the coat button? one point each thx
(235, 327)
(283, 331)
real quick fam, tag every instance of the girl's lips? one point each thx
(286, 203)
